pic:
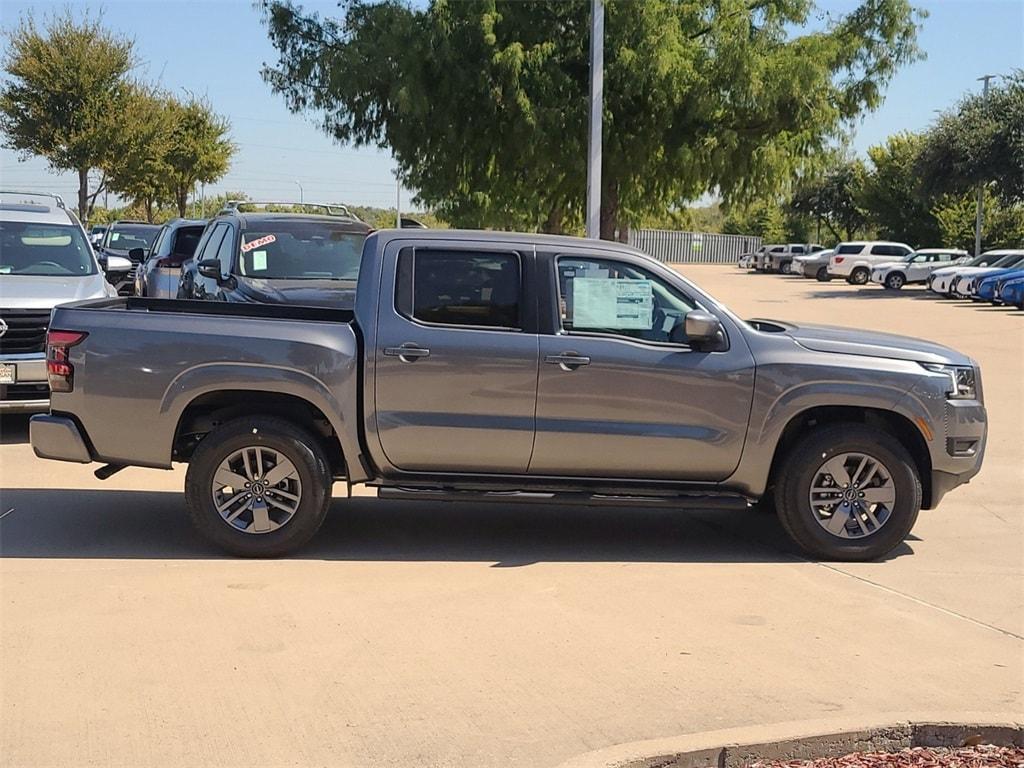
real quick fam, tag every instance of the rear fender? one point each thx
(217, 377)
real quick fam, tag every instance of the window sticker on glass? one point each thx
(259, 261)
(599, 302)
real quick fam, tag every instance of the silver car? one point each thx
(45, 260)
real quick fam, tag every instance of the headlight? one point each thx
(962, 381)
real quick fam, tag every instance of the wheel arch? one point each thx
(891, 422)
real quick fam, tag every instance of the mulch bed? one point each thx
(980, 756)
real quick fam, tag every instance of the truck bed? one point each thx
(148, 362)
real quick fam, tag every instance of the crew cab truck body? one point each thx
(513, 367)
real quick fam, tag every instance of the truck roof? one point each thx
(487, 235)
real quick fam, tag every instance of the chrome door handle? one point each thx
(567, 361)
(407, 353)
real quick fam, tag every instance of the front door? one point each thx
(456, 360)
(621, 394)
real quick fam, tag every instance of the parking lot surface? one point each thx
(429, 634)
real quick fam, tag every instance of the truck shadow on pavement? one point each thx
(152, 525)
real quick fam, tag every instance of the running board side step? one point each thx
(679, 501)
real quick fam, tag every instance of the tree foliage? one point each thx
(891, 195)
(831, 199)
(199, 150)
(136, 169)
(980, 142)
(64, 87)
(484, 102)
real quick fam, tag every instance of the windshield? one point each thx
(124, 237)
(44, 249)
(1009, 260)
(301, 250)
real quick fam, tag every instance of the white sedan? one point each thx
(916, 268)
(942, 281)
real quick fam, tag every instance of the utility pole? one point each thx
(300, 192)
(398, 200)
(981, 187)
(596, 114)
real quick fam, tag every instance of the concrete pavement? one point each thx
(446, 635)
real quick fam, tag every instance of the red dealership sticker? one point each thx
(265, 240)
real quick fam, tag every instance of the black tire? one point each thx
(798, 471)
(786, 268)
(298, 446)
(823, 276)
(895, 280)
(859, 276)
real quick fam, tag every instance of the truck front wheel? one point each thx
(258, 487)
(848, 492)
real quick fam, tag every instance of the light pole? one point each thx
(979, 218)
(300, 191)
(596, 107)
(398, 200)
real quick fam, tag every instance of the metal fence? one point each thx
(692, 247)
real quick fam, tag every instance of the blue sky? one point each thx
(216, 49)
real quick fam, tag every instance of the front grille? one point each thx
(15, 392)
(26, 331)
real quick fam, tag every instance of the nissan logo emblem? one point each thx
(3, 326)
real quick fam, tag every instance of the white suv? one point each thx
(916, 268)
(854, 260)
(45, 260)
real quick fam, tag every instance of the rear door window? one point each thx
(460, 288)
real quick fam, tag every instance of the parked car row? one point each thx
(995, 276)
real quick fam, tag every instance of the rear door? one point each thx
(621, 393)
(456, 358)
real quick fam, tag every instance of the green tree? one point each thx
(137, 168)
(64, 89)
(1004, 224)
(830, 199)
(762, 218)
(981, 142)
(199, 150)
(484, 102)
(891, 195)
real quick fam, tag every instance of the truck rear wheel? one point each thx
(258, 487)
(848, 492)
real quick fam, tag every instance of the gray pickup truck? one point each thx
(495, 366)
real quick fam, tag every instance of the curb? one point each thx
(736, 747)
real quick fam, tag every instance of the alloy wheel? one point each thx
(852, 495)
(256, 489)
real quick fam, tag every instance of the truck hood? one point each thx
(336, 294)
(47, 291)
(850, 341)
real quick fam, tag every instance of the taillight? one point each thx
(839, 259)
(59, 371)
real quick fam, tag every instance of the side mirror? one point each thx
(210, 268)
(137, 254)
(116, 265)
(705, 331)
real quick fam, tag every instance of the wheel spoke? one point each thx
(836, 466)
(259, 462)
(238, 512)
(282, 471)
(837, 523)
(885, 494)
(283, 494)
(871, 517)
(227, 504)
(279, 504)
(247, 461)
(226, 477)
(260, 517)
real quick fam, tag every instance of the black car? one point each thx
(175, 244)
(131, 240)
(277, 258)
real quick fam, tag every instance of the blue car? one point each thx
(988, 288)
(1012, 292)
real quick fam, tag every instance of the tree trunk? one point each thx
(554, 225)
(83, 196)
(149, 210)
(609, 211)
(622, 231)
(181, 198)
